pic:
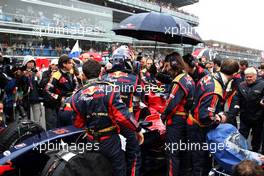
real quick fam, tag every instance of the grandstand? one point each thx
(227, 50)
(137, 6)
(49, 28)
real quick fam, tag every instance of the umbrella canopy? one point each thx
(198, 53)
(97, 57)
(42, 61)
(205, 52)
(159, 27)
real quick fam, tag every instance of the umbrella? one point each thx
(204, 52)
(97, 57)
(42, 61)
(159, 27)
(196, 52)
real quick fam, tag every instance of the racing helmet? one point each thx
(121, 58)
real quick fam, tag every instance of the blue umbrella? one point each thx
(159, 27)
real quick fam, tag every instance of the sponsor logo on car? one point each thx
(21, 145)
(60, 131)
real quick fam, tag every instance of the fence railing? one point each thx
(153, 7)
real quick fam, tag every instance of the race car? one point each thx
(45, 152)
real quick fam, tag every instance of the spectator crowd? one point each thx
(201, 94)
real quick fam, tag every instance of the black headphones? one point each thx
(189, 59)
(173, 62)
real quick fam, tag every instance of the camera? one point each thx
(34, 70)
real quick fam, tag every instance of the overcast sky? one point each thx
(239, 22)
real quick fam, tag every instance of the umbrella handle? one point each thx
(154, 56)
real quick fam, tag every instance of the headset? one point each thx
(173, 62)
(190, 60)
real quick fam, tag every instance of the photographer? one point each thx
(31, 77)
(12, 86)
(5, 71)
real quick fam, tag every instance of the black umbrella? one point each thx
(159, 27)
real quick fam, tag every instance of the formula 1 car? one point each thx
(16, 132)
(27, 150)
(29, 157)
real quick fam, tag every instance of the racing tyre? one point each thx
(72, 163)
(18, 131)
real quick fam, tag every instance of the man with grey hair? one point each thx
(250, 100)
